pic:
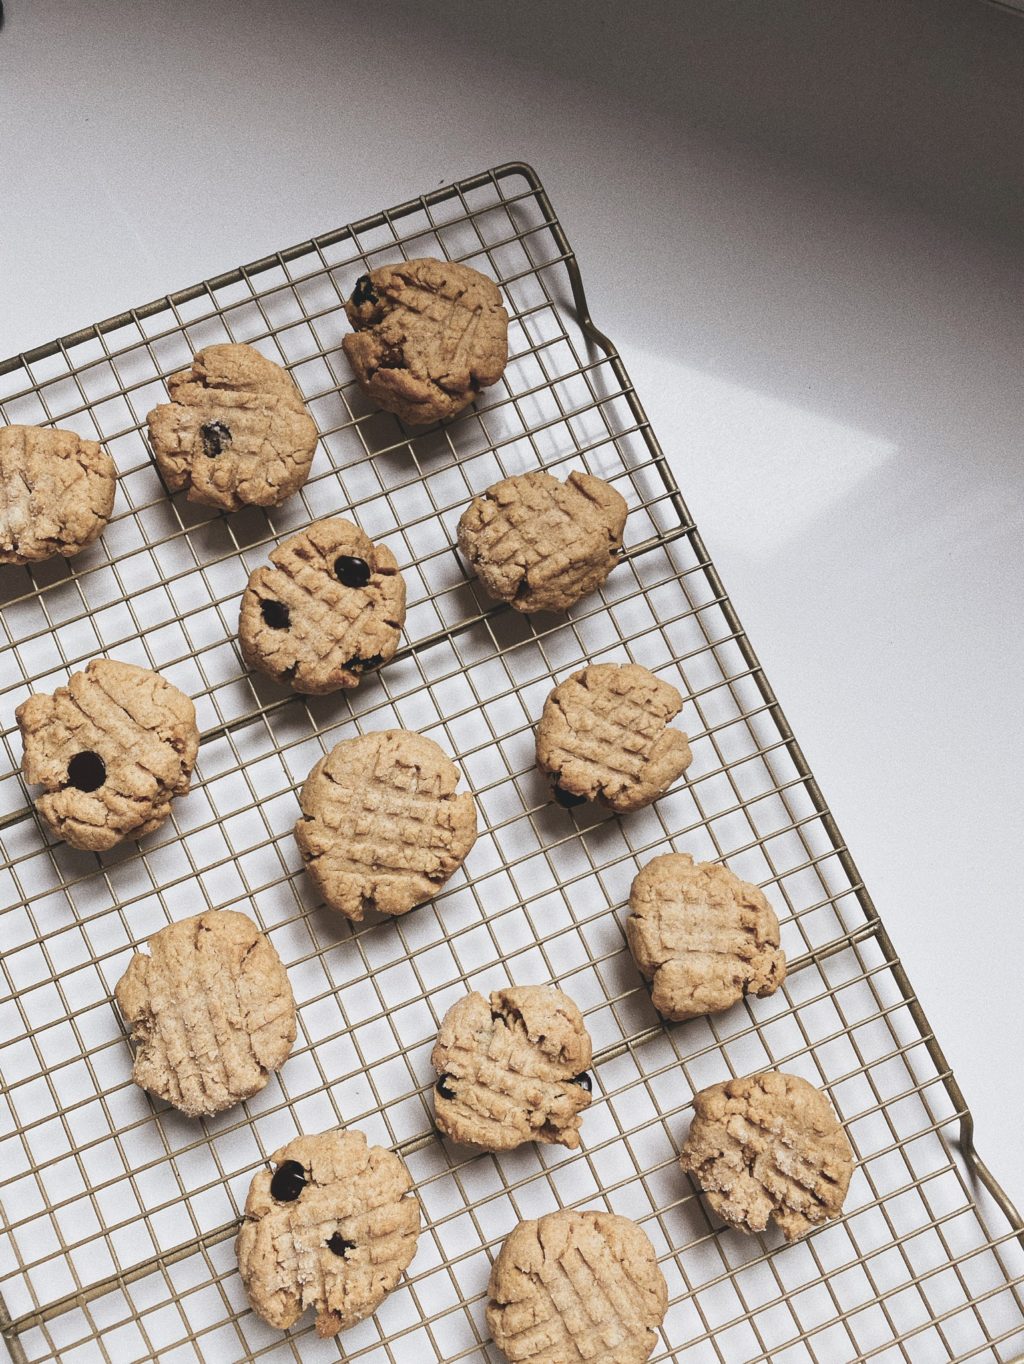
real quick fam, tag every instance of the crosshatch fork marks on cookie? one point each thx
(118, 1217)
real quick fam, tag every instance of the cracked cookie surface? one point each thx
(210, 1011)
(577, 1286)
(331, 1228)
(429, 335)
(605, 735)
(382, 826)
(769, 1147)
(236, 431)
(702, 936)
(512, 1069)
(112, 749)
(328, 609)
(541, 544)
(56, 493)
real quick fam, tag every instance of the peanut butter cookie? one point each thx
(429, 335)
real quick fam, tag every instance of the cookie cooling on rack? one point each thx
(512, 1068)
(605, 736)
(541, 544)
(56, 493)
(575, 1286)
(327, 610)
(210, 1011)
(112, 749)
(429, 335)
(769, 1147)
(382, 825)
(703, 937)
(236, 431)
(332, 1227)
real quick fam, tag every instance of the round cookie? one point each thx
(576, 1285)
(332, 1227)
(235, 433)
(112, 749)
(329, 609)
(382, 826)
(540, 544)
(56, 493)
(512, 1069)
(210, 1011)
(604, 735)
(769, 1146)
(704, 937)
(429, 335)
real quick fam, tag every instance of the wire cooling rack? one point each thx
(118, 1213)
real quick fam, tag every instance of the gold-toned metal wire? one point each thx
(119, 1214)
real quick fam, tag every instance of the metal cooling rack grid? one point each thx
(118, 1215)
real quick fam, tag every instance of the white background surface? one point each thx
(802, 225)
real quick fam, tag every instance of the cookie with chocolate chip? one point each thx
(429, 335)
(512, 1068)
(327, 610)
(111, 750)
(56, 493)
(331, 1226)
(541, 544)
(236, 431)
(605, 736)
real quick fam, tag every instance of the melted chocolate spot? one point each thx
(364, 665)
(288, 1182)
(352, 571)
(339, 1245)
(364, 291)
(87, 771)
(583, 1080)
(443, 1089)
(276, 614)
(567, 799)
(216, 437)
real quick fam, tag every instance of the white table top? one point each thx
(821, 310)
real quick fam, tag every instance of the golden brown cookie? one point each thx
(329, 609)
(382, 826)
(332, 1227)
(769, 1146)
(210, 1010)
(112, 749)
(235, 433)
(576, 1286)
(540, 544)
(604, 735)
(56, 493)
(429, 335)
(703, 936)
(512, 1069)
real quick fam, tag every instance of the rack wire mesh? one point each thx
(118, 1214)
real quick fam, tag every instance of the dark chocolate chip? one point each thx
(364, 665)
(87, 771)
(496, 1017)
(288, 1182)
(583, 1080)
(276, 614)
(216, 437)
(351, 571)
(364, 291)
(443, 1089)
(567, 799)
(339, 1245)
